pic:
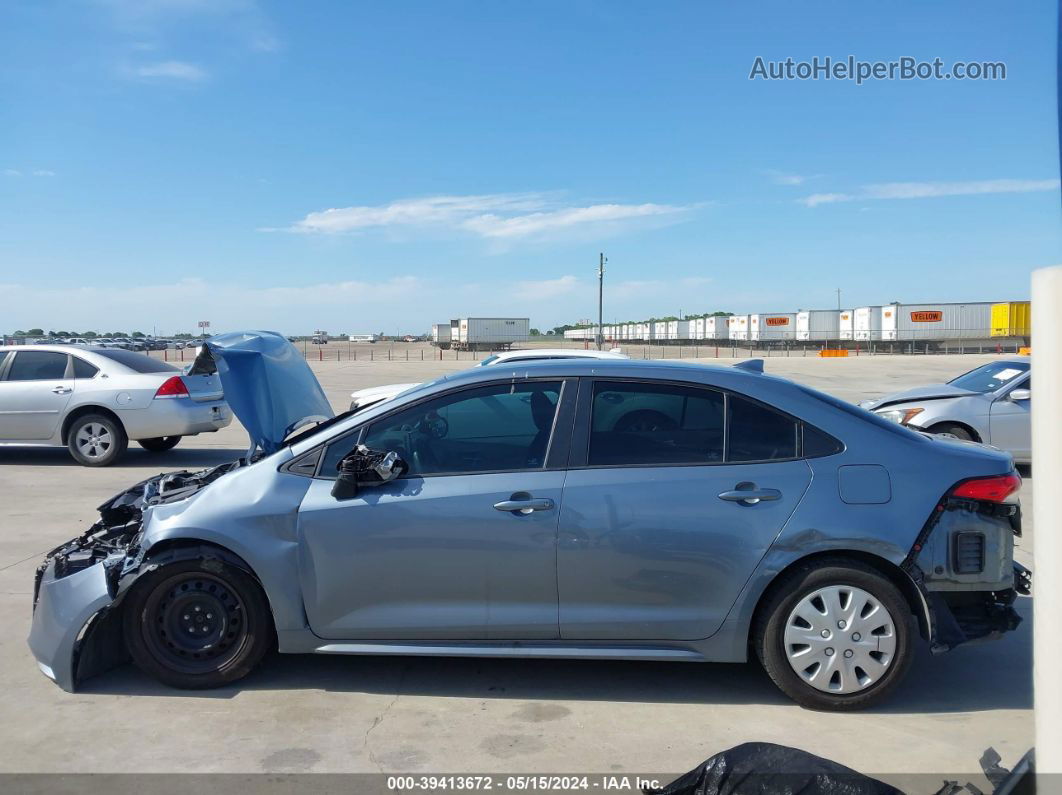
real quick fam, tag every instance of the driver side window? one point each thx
(500, 427)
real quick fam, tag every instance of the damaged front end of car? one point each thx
(963, 563)
(77, 590)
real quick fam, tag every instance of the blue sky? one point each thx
(383, 166)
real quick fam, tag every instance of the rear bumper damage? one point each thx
(76, 630)
(963, 566)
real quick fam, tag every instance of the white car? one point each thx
(95, 400)
(364, 398)
(991, 404)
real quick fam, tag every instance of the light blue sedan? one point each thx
(581, 509)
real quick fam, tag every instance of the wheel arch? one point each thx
(82, 411)
(173, 550)
(886, 568)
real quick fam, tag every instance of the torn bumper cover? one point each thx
(963, 565)
(76, 632)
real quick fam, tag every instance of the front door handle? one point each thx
(747, 494)
(525, 506)
(62, 390)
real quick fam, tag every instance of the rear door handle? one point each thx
(524, 507)
(748, 494)
(62, 390)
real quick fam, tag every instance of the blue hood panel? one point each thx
(268, 384)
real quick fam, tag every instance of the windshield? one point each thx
(991, 377)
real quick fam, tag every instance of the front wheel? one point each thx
(835, 636)
(952, 430)
(194, 628)
(159, 444)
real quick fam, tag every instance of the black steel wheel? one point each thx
(193, 628)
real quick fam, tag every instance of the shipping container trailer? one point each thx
(678, 330)
(846, 324)
(816, 325)
(931, 322)
(772, 326)
(440, 335)
(738, 329)
(866, 323)
(715, 328)
(1012, 319)
(489, 333)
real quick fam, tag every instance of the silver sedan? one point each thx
(94, 400)
(990, 404)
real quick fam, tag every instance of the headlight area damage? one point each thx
(76, 627)
(963, 563)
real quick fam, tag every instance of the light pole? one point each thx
(600, 335)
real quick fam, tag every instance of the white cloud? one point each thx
(547, 288)
(12, 172)
(491, 225)
(170, 70)
(406, 303)
(493, 216)
(783, 178)
(927, 190)
(415, 212)
(43, 172)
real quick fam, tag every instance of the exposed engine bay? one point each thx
(114, 539)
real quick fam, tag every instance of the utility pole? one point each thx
(838, 299)
(600, 336)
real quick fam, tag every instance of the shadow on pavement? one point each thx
(135, 457)
(979, 678)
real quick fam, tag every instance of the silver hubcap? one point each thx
(840, 639)
(93, 440)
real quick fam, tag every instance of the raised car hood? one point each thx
(931, 392)
(268, 384)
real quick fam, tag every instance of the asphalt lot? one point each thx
(369, 714)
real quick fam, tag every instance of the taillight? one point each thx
(991, 489)
(172, 388)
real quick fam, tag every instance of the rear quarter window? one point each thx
(137, 362)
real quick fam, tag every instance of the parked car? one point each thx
(501, 512)
(989, 404)
(95, 400)
(364, 398)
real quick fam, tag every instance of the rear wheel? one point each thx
(96, 440)
(952, 430)
(191, 628)
(836, 635)
(159, 444)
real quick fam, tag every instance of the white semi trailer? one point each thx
(488, 333)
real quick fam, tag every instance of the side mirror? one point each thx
(364, 467)
(1020, 394)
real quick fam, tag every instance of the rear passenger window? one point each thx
(83, 369)
(646, 424)
(37, 366)
(757, 433)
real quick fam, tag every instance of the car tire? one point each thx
(951, 429)
(159, 444)
(837, 668)
(96, 440)
(167, 609)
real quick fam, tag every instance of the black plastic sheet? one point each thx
(769, 769)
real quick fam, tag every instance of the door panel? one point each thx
(654, 553)
(431, 558)
(1011, 425)
(34, 396)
